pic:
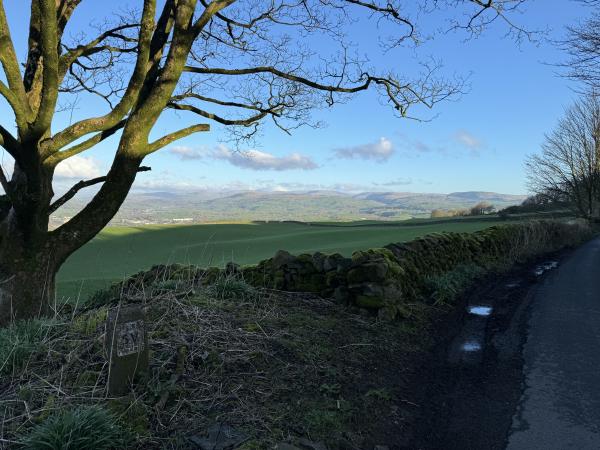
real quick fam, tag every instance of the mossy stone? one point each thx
(372, 271)
(313, 283)
(334, 279)
(281, 259)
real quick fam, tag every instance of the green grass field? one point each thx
(118, 252)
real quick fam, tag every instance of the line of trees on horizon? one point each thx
(480, 209)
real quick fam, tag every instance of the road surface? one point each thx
(559, 406)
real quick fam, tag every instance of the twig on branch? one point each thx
(83, 184)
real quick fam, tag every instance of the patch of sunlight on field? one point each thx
(121, 251)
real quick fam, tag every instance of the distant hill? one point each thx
(476, 196)
(230, 206)
(420, 204)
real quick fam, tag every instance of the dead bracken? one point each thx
(274, 367)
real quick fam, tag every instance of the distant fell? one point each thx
(478, 196)
(161, 207)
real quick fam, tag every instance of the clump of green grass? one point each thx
(88, 322)
(167, 285)
(381, 394)
(19, 340)
(232, 288)
(445, 288)
(82, 428)
(327, 423)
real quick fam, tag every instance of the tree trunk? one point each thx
(30, 255)
(27, 290)
(28, 259)
(27, 274)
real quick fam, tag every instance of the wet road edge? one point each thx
(470, 397)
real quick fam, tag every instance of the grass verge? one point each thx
(273, 366)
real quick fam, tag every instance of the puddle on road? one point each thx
(539, 270)
(471, 346)
(483, 311)
(513, 285)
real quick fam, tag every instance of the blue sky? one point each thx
(475, 143)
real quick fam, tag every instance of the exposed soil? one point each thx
(468, 398)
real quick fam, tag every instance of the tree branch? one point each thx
(49, 52)
(8, 142)
(14, 102)
(68, 58)
(401, 95)
(248, 25)
(10, 64)
(64, 11)
(388, 10)
(210, 10)
(164, 26)
(130, 97)
(158, 92)
(81, 185)
(88, 222)
(243, 122)
(286, 75)
(216, 101)
(4, 182)
(166, 140)
(56, 157)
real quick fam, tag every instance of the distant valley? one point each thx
(210, 206)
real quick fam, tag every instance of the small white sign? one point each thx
(130, 337)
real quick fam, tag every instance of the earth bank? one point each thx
(237, 350)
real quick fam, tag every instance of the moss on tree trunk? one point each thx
(27, 289)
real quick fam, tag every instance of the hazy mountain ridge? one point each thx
(477, 196)
(196, 207)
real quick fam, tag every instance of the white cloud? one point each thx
(409, 147)
(396, 182)
(250, 159)
(78, 167)
(300, 187)
(422, 147)
(468, 140)
(379, 151)
(257, 160)
(187, 153)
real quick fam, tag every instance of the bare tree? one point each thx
(583, 48)
(230, 62)
(481, 208)
(568, 168)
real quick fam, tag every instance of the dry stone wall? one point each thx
(385, 278)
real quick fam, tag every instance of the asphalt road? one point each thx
(559, 407)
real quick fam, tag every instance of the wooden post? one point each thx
(126, 347)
